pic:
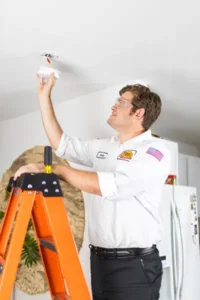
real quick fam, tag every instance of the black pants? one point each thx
(132, 278)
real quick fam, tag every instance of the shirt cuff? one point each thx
(62, 146)
(107, 184)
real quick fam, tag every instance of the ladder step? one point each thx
(49, 244)
(61, 296)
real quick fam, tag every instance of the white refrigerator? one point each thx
(180, 244)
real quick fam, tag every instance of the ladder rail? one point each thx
(9, 217)
(66, 248)
(41, 226)
(14, 248)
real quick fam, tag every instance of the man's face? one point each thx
(122, 116)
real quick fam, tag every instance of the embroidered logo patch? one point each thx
(102, 155)
(156, 153)
(127, 155)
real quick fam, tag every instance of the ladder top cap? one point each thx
(48, 184)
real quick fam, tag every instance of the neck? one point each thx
(126, 136)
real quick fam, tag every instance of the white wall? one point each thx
(188, 149)
(84, 116)
(185, 148)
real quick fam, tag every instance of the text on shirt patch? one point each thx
(102, 155)
(156, 153)
(127, 155)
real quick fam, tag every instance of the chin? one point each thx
(111, 123)
(109, 120)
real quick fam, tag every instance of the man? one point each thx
(130, 171)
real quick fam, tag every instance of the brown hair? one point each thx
(144, 98)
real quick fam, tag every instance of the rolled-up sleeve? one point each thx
(62, 146)
(138, 175)
(75, 150)
(107, 183)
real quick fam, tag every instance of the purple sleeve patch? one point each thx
(156, 153)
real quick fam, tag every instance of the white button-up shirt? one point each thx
(131, 177)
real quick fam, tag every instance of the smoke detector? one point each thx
(44, 71)
(50, 54)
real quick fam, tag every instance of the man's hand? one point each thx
(31, 168)
(45, 86)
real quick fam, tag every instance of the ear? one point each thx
(140, 113)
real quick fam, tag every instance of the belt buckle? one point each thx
(93, 249)
(96, 250)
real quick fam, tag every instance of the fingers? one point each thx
(22, 170)
(15, 176)
(51, 80)
(38, 81)
(42, 81)
(18, 173)
(31, 168)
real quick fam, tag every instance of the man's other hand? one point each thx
(31, 168)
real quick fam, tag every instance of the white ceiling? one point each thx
(103, 43)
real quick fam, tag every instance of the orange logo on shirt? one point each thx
(127, 155)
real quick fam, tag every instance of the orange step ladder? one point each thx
(40, 198)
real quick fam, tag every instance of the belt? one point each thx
(122, 252)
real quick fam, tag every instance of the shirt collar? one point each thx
(140, 138)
